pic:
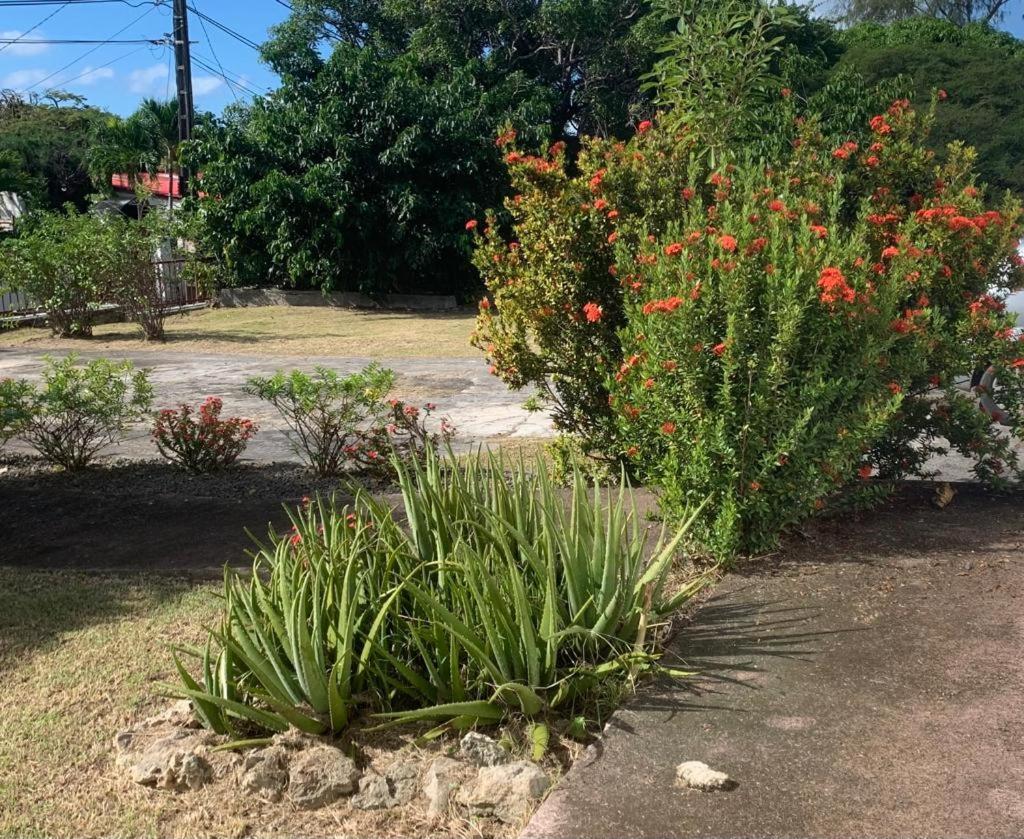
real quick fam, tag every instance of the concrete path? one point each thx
(866, 682)
(479, 405)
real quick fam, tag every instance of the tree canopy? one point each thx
(978, 67)
(43, 148)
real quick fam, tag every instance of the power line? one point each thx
(210, 69)
(31, 3)
(89, 51)
(213, 52)
(34, 28)
(61, 41)
(94, 69)
(238, 36)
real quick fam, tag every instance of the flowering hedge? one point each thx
(760, 335)
(200, 441)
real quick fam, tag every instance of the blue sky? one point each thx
(118, 76)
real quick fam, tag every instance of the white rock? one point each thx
(508, 792)
(177, 763)
(265, 772)
(320, 775)
(481, 750)
(696, 774)
(373, 794)
(441, 779)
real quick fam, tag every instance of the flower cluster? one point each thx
(199, 440)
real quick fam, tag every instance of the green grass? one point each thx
(281, 330)
(79, 656)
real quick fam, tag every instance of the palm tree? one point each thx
(146, 141)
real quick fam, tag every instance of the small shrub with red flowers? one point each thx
(346, 423)
(199, 440)
(763, 335)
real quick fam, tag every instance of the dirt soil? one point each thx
(145, 516)
(865, 681)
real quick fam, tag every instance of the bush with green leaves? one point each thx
(345, 423)
(59, 261)
(497, 598)
(763, 334)
(76, 410)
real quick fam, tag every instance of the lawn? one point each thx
(282, 330)
(79, 656)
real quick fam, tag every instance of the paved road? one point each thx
(478, 404)
(866, 682)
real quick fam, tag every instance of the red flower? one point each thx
(879, 125)
(890, 252)
(872, 161)
(612, 237)
(942, 94)
(820, 231)
(600, 204)
(593, 312)
(727, 243)
(687, 193)
(485, 304)
(777, 206)
(471, 224)
(834, 287)
(864, 471)
(668, 428)
(754, 486)
(673, 249)
(643, 126)
(894, 388)
(671, 365)
(718, 349)
(786, 92)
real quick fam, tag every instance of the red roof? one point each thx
(159, 184)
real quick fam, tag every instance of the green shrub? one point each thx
(760, 335)
(58, 261)
(15, 411)
(497, 598)
(339, 423)
(198, 440)
(77, 410)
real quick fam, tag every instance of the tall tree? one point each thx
(45, 141)
(958, 12)
(146, 141)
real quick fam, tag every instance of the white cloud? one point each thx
(91, 76)
(23, 49)
(20, 79)
(201, 85)
(147, 79)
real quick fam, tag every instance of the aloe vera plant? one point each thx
(493, 592)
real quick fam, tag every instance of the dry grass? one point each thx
(281, 330)
(81, 656)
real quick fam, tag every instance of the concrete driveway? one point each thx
(479, 405)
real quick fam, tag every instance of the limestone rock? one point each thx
(441, 779)
(177, 762)
(320, 775)
(373, 794)
(696, 774)
(509, 792)
(481, 750)
(265, 772)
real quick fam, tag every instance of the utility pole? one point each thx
(183, 80)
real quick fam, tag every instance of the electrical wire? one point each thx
(89, 51)
(34, 28)
(94, 69)
(213, 52)
(238, 36)
(211, 69)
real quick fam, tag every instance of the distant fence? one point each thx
(172, 289)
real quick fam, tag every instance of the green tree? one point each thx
(44, 143)
(957, 12)
(146, 141)
(979, 68)
(361, 171)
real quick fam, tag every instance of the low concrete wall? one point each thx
(234, 298)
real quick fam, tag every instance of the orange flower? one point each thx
(471, 224)
(673, 249)
(864, 471)
(727, 243)
(668, 428)
(593, 312)
(718, 349)
(894, 388)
